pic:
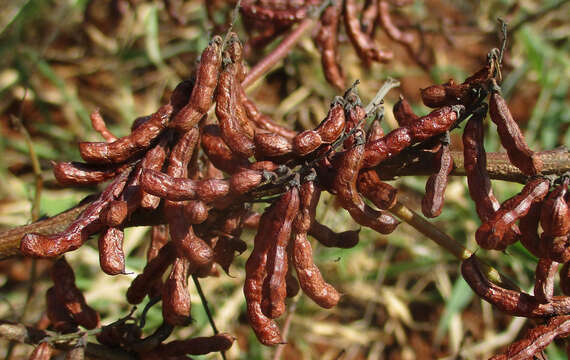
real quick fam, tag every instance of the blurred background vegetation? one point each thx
(403, 296)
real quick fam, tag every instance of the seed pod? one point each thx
(450, 93)
(405, 38)
(490, 234)
(251, 10)
(274, 285)
(546, 270)
(47, 246)
(244, 181)
(326, 41)
(382, 195)
(194, 346)
(403, 112)
(363, 44)
(153, 270)
(98, 124)
(328, 131)
(116, 213)
(42, 352)
(251, 220)
(271, 221)
(375, 132)
(128, 146)
(557, 247)
(234, 49)
(435, 123)
(565, 278)
(529, 231)
(76, 173)
(292, 285)
(343, 240)
(196, 211)
(226, 112)
(369, 16)
(158, 238)
(180, 188)
(271, 145)
(203, 91)
(72, 298)
(154, 160)
(511, 136)
(57, 313)
(175, 295)
(77, 353)
(219, 153)
(225, 249)
(555, 216)
(111, 255)
(432, 202)
(345, 185)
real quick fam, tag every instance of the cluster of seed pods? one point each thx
(198, 176)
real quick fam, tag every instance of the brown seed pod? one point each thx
(369, 17)
(219, 153)
(128, 146)
(154, 160)
(344, 183)
(153, 270)
(557, 247)
(58, 315)
(244, 181)
(274, 284)
(265, 14)
(511, 136)
(555, 216)
(326, 41)
(116, 213)
(42, 352)
(271, 145)
(261, 120)
(450, 93)
(363, 44)
(203, 91)
(194, 346)
(225, 249)
(432, 202)
(328, 131)
(71, 297)
(490, 234)
(46, 246)
(375, 131)
(382, 195)
(528, 225)
(158, 238)
(565, 278)
(76, 173)
(271, 221)
(175, 295)
(292, 285)
(196, 211)
(227, 102)
(404, 38)
(404, 113)
(98, 124)
(327, 237)
(546, 270)
(310, 278)
(251, 220)
(509, 301)
(180, 188)
(111, 255)
(435, 123)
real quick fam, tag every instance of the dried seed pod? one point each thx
(271, 221)
(306, 142)
(76, 173)
(226, 111)
(58, 315)
(111, 255)
(116, 213)
(196, 211)
(345, 185)
(344, 240)
(404, 113)
(363, 44)
(244, 181)
(557, 247)
(369, 16)
(511, 136)
(42, 352)
(288, 16)
(528, 225)
(261, 120)
(292, 285)
(546, 270)
(153, 270)
(194, 346)
(251, 220)
(203, 91)
(450, 93)
(180, 188)
(271, 145)
(490, 234)
(219, 153)
(326, 41)
(555, 216)
(158, 238)
(154, 160)
(225, 249)
(375, 131)
(128, 146)
(98, 124)
(509, 301)
(72, 298)
(328, 131)
(432, 202)
(46, 246)
(175, 295)
(310, 278)
(565, 278)
(405, 38)
(435, 123)
(382, 195)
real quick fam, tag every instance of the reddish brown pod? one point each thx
(557, 247)
(326, 41)
(328, 131)
(57, 313)
(270, 14)
(565, 279)
(204, 86)
(79, 174)
(98, 124)
(545, 273)
(175, 295)
(404, 113)
(154, 160)
(382, 195)
(490, 234)
(128, 146)
(111, 255)
(528, 225)
(43, 351)
(554, 215)
(432, 202)
(194, 346)
(511, 136)
(219, 153)
(327, 237)
(270, 145)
